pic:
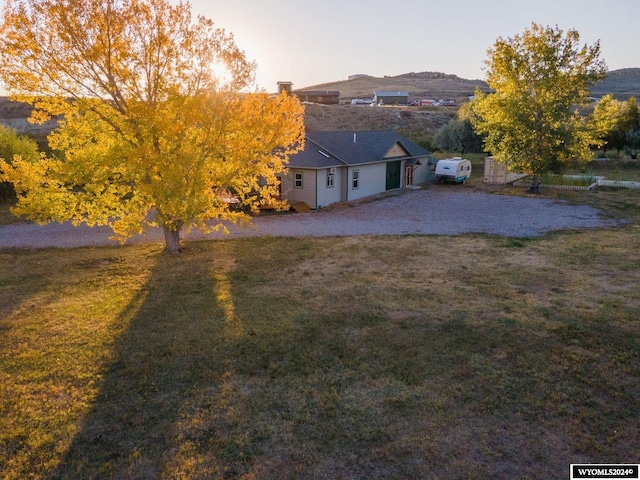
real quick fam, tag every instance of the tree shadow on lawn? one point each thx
(216, 377)
(168, 370)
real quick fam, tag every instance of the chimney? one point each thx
(285, 87)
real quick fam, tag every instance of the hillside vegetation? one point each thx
(416, 123)
(409, 121)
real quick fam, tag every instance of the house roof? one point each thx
(351, 148)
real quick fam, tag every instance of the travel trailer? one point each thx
(455, 169)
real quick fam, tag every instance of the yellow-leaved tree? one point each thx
(149, 133)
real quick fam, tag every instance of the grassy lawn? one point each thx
(357, 358)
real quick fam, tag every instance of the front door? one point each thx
(393, 175)
(408, 176)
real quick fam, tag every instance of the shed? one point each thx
(390, 98)
(498, 173)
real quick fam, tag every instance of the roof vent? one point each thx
(355, 139)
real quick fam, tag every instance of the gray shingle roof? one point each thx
(334, 149)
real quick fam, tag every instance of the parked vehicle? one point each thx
(455, 169)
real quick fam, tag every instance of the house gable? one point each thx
(397, 151)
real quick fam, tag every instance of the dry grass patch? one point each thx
(368, 357)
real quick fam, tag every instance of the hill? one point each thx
(622, 84)
(416, 123)
(434, 85)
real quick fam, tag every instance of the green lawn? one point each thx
(357, 358)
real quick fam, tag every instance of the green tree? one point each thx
(155, 129)
(630, 117)
(459, 135)
(616, 122)
(531, 121)
(13, 145)
(633, 143)
(606, 122)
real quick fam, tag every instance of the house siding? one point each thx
(372, 180)
(422, 173)
(307, 194)
(328, 195)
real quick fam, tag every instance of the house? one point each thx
(344, 166)
(326, 97)
(390, 98)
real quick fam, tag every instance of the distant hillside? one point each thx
(622, 84)
(414, 122)
(433, 85)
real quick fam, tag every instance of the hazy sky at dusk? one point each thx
(309, 43)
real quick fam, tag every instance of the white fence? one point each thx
(618, 184)
(600, 182)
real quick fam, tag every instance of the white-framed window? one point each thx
(297, 179)
(329, 179)
(355, 179)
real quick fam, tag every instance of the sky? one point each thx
(310, 43)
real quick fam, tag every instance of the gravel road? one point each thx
(430, 211)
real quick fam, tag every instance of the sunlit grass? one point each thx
(322, 358)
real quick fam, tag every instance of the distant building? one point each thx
(285, 87)
(391, 98)
(326, 97)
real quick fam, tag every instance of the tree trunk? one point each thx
(172, 238)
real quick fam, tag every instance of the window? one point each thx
(297, 179)
(329, 179)
(355, 179)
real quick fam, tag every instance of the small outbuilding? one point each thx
(498, 173)
(390, 98)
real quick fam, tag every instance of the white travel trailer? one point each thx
(453, 170)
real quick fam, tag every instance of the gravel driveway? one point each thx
(431, 211)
